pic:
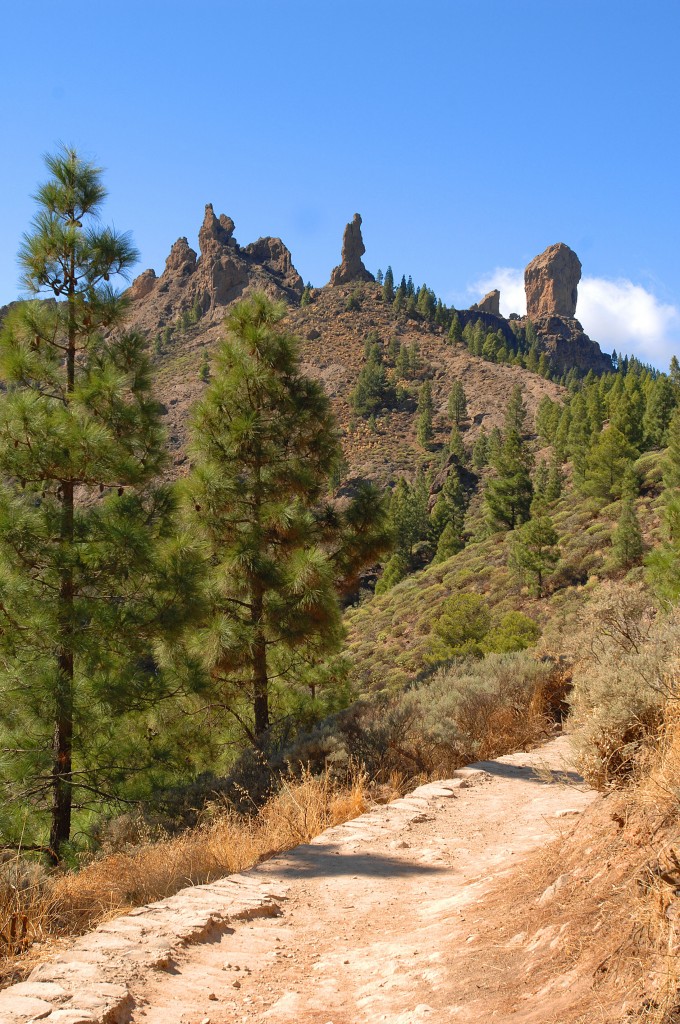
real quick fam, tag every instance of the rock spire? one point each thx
(351, 268)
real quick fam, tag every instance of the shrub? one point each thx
(514, 632)
(625, 675)
(464, 622)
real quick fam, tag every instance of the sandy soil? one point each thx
(386, 922)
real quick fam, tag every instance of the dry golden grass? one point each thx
(611, 928)
(37, 911)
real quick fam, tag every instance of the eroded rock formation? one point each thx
(551, 281)
(351, 268)
(491, 303)
(274, 256)
(222, 272)
(143, 284)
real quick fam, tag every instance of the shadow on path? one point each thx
(331, 861)
(542, 776)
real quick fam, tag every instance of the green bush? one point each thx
(514, 632)
(464, 622)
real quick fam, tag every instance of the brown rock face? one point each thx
(273, 255)
(550, 282)
(214, 234)
(221, 274)
(143, 284)
(353, 248)
(491, 303)
(564, 341)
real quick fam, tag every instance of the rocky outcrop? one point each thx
(351, 268)
(567, 345)
(272, 254)
(551, 281)
(143, 284)
(561, 338)
(181, 260)
(491, 303)
(222, 273)
(215, 234)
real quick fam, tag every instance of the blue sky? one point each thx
(470, 134)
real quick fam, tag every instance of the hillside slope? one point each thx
(332, 347)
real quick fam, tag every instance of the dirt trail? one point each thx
(383, 919)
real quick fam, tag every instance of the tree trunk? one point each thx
(260, 681)
(62, 748)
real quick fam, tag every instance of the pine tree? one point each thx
(595, 411)
(607, 462)
(425, 414)
(495, 445)
(80, 566)
(457, 404)
(579, 437)
(627, 543)
(660, 406)
(455, 331)
(447, 519)
(456, 446)
(516, 411)
(534, 551)
(540, 482)
(388, 286)
(265, 444)
(547, 418)
(372, 391)
(664, 562)
(508, 493)
(674, 374)
(403, 365)
(480, 450)
(555, 480)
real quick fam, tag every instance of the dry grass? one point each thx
(36, 909)
(597, 911)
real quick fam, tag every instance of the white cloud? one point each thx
(618, 314)
(510, 283)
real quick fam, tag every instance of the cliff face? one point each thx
(567, 345)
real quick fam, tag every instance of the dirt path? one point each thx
(383, 919)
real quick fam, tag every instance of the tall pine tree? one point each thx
(80, 441)
(265, 444)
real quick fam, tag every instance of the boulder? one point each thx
(550, 282)
(351, 268)
(491, 303)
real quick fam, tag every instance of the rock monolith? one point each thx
(351, 268)
(550, 282)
